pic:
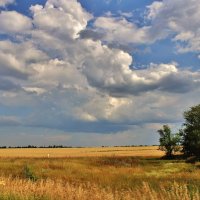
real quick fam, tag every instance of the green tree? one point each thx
(170, 143)
(191, 132)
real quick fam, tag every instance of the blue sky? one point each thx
(96, 72)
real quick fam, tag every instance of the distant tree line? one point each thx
(32, 146)
(139, 145)
(187, 139)
(62, 146)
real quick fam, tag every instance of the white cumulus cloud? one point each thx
(120, 30)
(180, 17)
(14, 22)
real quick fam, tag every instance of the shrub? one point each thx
(29, 174)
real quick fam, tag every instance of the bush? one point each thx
(29, 174)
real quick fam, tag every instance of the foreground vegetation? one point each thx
(21, 189)
(106, 176)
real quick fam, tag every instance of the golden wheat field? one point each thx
(101, 173)
(81, 152)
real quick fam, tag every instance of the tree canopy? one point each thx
(168, 142)
(191, 132)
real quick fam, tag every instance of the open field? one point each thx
(118, 173)
(149, 151)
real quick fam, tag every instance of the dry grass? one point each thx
(96, 173)
(151, 151)
(54, 190)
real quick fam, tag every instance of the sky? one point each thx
(96, 72)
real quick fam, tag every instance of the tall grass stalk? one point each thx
(53, 190)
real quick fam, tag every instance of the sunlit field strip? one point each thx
(147, 151)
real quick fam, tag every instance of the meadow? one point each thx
(96, 173)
